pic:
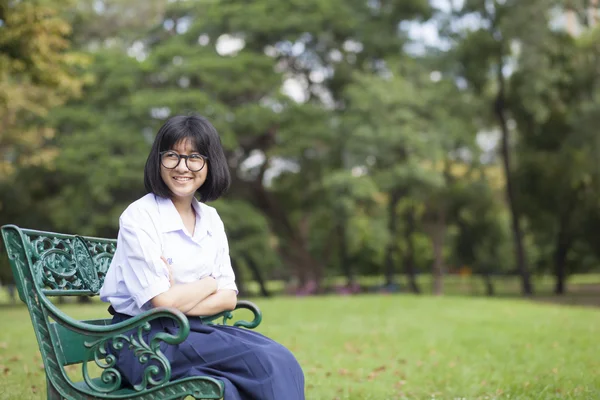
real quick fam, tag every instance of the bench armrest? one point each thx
(248, 305)
(100, 339)
(130, 333)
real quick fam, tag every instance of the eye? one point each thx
(171, 154)
(195, 157)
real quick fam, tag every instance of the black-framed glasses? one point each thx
(171, 159)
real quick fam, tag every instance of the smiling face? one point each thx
(183, 182)
(184, 136)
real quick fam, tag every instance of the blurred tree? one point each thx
(218, 59)
(345, 222)
(483, 237)
(252, 245)
(38, 72)
(487, 54)
(316, 46)
(558, 171)
(351, 152)
(138, 82)
(409, 135)
(103, 149)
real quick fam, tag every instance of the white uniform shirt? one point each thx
(150, 228)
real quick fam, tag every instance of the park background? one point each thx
(415, 202)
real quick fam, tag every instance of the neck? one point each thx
(183, 205)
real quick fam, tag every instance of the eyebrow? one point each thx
(193, 152)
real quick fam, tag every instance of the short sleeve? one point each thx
(224, 272)
(144, 273)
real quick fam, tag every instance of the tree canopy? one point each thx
(356, 147)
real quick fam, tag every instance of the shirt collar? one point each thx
(170, 220)
(197, 207)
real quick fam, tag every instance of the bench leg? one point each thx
(52, 392)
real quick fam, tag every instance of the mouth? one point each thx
(182, 178)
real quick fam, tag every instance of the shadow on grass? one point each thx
(577, 295)
(587, 295)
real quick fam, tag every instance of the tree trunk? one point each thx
(487, 281)
(560, 268)
(563, 245)
(294, 250)
(437, 234)
(393, 238)
(409, 257)
(258, 277)
(343, 246)
(500, 110)
(315, 268)
(239, 281)
(293, 254)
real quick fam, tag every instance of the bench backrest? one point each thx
(59, 264)
(52, 264)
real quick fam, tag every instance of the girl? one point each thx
(172, 251)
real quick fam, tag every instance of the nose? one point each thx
(182, 166)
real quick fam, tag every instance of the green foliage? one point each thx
(248, 234)
(558, 174)
(482, 242)
(37, 73)
(327, 179)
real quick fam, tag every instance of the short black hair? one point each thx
(207, 142)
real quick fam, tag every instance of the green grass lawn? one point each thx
(392, 347)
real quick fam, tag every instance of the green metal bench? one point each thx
(48, 264)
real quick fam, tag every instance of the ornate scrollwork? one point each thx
(227, 315)
(102, 253)
(86, 270)
(154, 374)
(53, 263)
(69, 263)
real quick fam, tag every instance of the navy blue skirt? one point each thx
(252, 366)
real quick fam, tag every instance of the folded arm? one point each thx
(198, 298)
(222, 300)
(186, 296)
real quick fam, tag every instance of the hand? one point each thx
(212, 282)
(171, 279)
